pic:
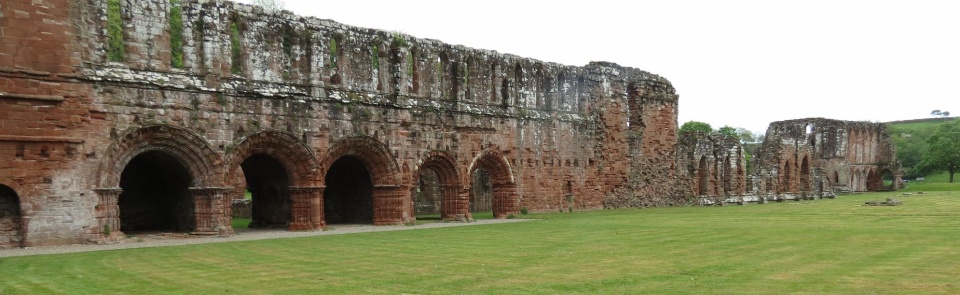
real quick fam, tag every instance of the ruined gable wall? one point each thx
(563, 130)
(711, 165)
(840, 156)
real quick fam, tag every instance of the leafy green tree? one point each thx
(944, 151)
(692, 126)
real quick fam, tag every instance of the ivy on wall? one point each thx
(115, 46)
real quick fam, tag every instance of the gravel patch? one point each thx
(176, 239)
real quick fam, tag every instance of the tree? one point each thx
(727, 130)
(945, 114)
(935, 113)
(692, 126)
(944, 151)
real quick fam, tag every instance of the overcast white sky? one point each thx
(737, 63)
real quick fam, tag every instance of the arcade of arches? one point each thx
(160, 188)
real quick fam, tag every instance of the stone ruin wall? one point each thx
(817, 157)
(712, 166)
(553, 137)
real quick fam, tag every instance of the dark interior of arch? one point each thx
(428, 197)
(481, 191)
(348, 197)
(156, 194)
(268, 184)
(9, 218)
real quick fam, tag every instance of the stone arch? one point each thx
(193, 178)
(505, 198)
(281, 196)
(11, 218)
(455, 204)
(298, 160)
(383, 171)
(185, 145)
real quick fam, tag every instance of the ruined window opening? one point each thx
(236, 60)
(808, 129)
(115, 45)
(518, 82)
(569, 187)
(505, 92)
(836, 177)
(10, 219)
(375, 59)
(21, 151)
(176, 34)
(268, 184)
(481, 192)
(455, 80)
(414, 71)
(493, 83)
(334, 61)
(155, 194)
(561, 100)
(348, 197)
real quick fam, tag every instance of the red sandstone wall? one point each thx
(556, 136)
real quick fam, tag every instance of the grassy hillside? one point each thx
(910, 138)
(810, 247)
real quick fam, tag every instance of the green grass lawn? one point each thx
(810, 247)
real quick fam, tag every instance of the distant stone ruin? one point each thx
(817, 157)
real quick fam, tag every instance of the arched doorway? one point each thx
(364, 166)
(439, 189)
(428, 198)
(481, 192)
(268, 184)
(703, 176)
(348, 197)
(173, 157)
(805, 175)
(888, 181)
(504, 198)
(11, 222)
(155, 194)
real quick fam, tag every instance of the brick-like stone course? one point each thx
(552, 137)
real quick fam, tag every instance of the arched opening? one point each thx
(428, 197)
(703, 175)
(887, 180)
(805, 174)
(481, 193)
(155, 194)
(503, 196)
(348, 197)
(727, 176)
(268, 185)
(836, 178)
(785, 185)
(10, 221)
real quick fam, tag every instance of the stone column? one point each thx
(504, 200)
(211, 211)
(107, 213)
(387, 205)
(302, 209)
(456, 203)
(316, 209)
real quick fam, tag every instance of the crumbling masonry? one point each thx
(816, 157)
(152, 115)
